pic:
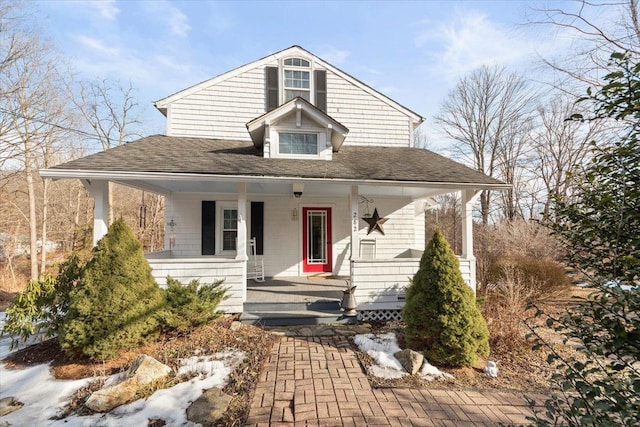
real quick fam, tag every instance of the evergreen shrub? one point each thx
(441, 314)
(192, 304)
(44, 303)
(117, 304)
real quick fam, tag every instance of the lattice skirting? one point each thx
(377, 315)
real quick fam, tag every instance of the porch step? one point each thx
(318, 305)
(295, 317)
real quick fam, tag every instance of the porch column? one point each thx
(353, 203)
(468, 197)
(241, 245)
(99, 191)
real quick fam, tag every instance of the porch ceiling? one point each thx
(279, 188)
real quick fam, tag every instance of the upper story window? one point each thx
(298, 143)
(297, 79)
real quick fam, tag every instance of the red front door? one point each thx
(316, 240)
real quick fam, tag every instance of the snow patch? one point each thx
(44, 396)
(381, 348)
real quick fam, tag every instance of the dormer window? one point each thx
(297, 81)
(298, 143)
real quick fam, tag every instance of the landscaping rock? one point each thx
(121, 389)
(208, 408)
(9, 405)
(410, 360)
(235, 326)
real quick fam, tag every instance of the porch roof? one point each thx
(202, 157)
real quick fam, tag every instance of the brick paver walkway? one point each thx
(318, 381)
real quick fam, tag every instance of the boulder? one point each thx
(208, 408)
(121, 388)
(9, 405)
(410, 360)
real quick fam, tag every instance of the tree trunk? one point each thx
(484, 206)
(33, 233)
(45, 209)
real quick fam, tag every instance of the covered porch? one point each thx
(380, 277)
(307, 216)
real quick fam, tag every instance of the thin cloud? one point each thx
(97, 47)
(471, 40)
(335, 56)
(169, 15)
(178, 22)
(107, 9)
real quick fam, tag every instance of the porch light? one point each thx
(294, 214)
(172, 234)
(297, 190)
(363, 199)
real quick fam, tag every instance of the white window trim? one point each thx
(221, 207)
(311, 69)
(321, 142)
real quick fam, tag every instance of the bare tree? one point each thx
(487, 116)
(598, 29)
(111, 112)
(33, 107)
(559, 145)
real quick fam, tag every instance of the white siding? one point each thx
(222, 110)
(380, 284)
(206, 270)
(283, 235)
(370, 121)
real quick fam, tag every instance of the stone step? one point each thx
(295, 317)
(318, 305)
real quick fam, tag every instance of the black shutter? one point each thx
(257, 225)
(208, 227)
(272, 88)
(320, 78)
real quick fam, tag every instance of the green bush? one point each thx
(541, 277)
(44, 303)
(192, 304)
(117, 303)
(440, 312)
(599, 228)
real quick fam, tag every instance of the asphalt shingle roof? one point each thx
(159, 153)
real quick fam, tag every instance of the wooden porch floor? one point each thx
(296, 289)
(295, 301)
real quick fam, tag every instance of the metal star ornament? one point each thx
(375, 222)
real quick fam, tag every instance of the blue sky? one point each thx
(412, 51)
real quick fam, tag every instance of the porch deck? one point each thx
(310, 289)
(295, 300)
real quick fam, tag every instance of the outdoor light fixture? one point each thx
(297, 190)
(294, 214)
(172, 234)
(363, 199)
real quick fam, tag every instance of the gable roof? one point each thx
(159, 154)
(256, 127)
(162, 104)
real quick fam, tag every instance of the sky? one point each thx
(412, 51)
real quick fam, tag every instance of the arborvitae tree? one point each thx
(117, 304)
(440, 312)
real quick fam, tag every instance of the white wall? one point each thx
(283, 235)
(222, 111)
(206, 271)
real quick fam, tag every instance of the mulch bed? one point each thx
(215, 337)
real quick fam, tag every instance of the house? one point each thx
(317, 166)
